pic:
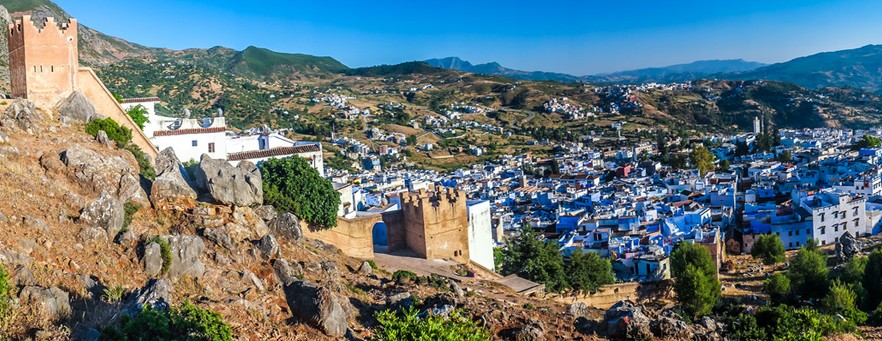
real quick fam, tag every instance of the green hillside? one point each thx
(264, 63)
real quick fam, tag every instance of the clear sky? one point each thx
(577, 37)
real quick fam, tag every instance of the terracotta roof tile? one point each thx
(141, 100)
(189, 131)
(277, 151)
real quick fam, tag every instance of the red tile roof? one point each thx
(189, 131)
(277, 151)
(141, 100)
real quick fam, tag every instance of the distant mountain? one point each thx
(455, 63)
(407, 68)
(263, 63)
(676, 73)
(673, 73)
(858, 68)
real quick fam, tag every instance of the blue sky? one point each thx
(577, 37)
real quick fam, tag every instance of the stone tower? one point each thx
(43, 59)
(436, 223)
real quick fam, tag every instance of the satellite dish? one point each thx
(220, 112)
(176, 124)
(186, 113)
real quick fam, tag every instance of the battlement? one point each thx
(43, 58)
(437, 197)
(26, 24)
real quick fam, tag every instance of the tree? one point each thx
(811, 244)
(724, 165)
(868, 141)
(785, 156)
(872, 280)
(741, 148)
(777, 286)
(808, 273)
(292, 185)
(138, 114)
(702, 159)
(586, 272)
(534, 259)
(841, 300)
(769, 248)
(411, 140)
(695, 274)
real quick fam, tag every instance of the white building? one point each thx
(833, 213)
(190, 138)
(480, 235)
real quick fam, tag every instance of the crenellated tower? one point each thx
(436, 223)
(43, 59)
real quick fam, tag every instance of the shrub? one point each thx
(164, 251)
(4, 292)
(130, 209)
(147, 170)
(745, 328)
(531, 257)
(401, 275)
(114, 294)
(769, 248)
(407, 325)
(138, 114)
(778, 287)
(808, 273)
(784, 322)
(187, 322)
(373, 264)
(119, 134)
(292, 185)
(841, 300)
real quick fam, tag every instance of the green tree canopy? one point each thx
(292, 185)
(769, 248)
(808, 273)
(702, 159)
(138, 114)
(868, 141)
(778, 287)
(586, 272)
(872, 279)
(695, 274)
(534, 259)
(841, 300)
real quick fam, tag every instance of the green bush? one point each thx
(4, 292)
(769, 248)
(808, 273)
(407, 325)
(586, 272)
(187, 322)
(147, 170)
(696, 282)
(373, 264)
(292, 185)
(164, 251)
(130, 209)
(784, 322)
(841, 299)
(778, 287)
(401, 275)
(745, 328)
(138, 114)
(119, 134)
(114, 294)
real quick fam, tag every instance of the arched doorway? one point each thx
(381, 237)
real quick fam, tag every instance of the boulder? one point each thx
(848, 247)
(239, 185)
(153, 260)
(671, 326)
(578, 309)
(52, 303)
(531, 331)
(268, 246)
(402, 299)
(266, 212)
(130, 190)
(155, 294)
(286, 273)
(77, 107)
(170, 189)
(106, 213)
(91, 234)
(626, 320)
(103, 174)
(286, 225)
(318, 306)
(186, 251)
(23, 115)
(102, 139)
(22, 276)
(220, 236)
(365, 268)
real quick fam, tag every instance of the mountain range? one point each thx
(859, 68)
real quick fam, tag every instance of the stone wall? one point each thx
(608, 295)
(352, 236)
(106, 105)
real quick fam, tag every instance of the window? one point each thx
(835, 214)
(857, 222)
(195, 143)
(797, 232)
(823, 242)
(842, 215)
(822, 217)
(790, 245)
(836, 240)
(789, 233)
(52, 68)
(797, 244)
(35, 68)
(823, 229)
(808, 231)
(835, 227)
(211, 147)
(855, 213)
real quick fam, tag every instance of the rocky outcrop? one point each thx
(365, 268)
(106, 213)
(170, 190)
(77, 107)
(103, 139)
(848, 247)
(626, 320)
(239, 185)
(318, 306)
(266, 212)
(103, 174)
(531, 331)
(287, 273)
(186, 251)
(153, 259)
(269, 247)
(578, 309)
(52, 303)
(155, 294)
(22, 115)
(286, 225)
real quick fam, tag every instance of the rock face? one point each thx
(155, 294)
(531, 331)
(53, 302)
(365, 268)
(848, 247)
(241, 185)
(578, 309)
(113, 174)
(268, 246)
(106, 213)
(153, 259)
(78, 107)
(286, 225)
(627, 320)
(22, 115)
(103, 139)
(186, 251)
(318, 306)
(170, 189)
